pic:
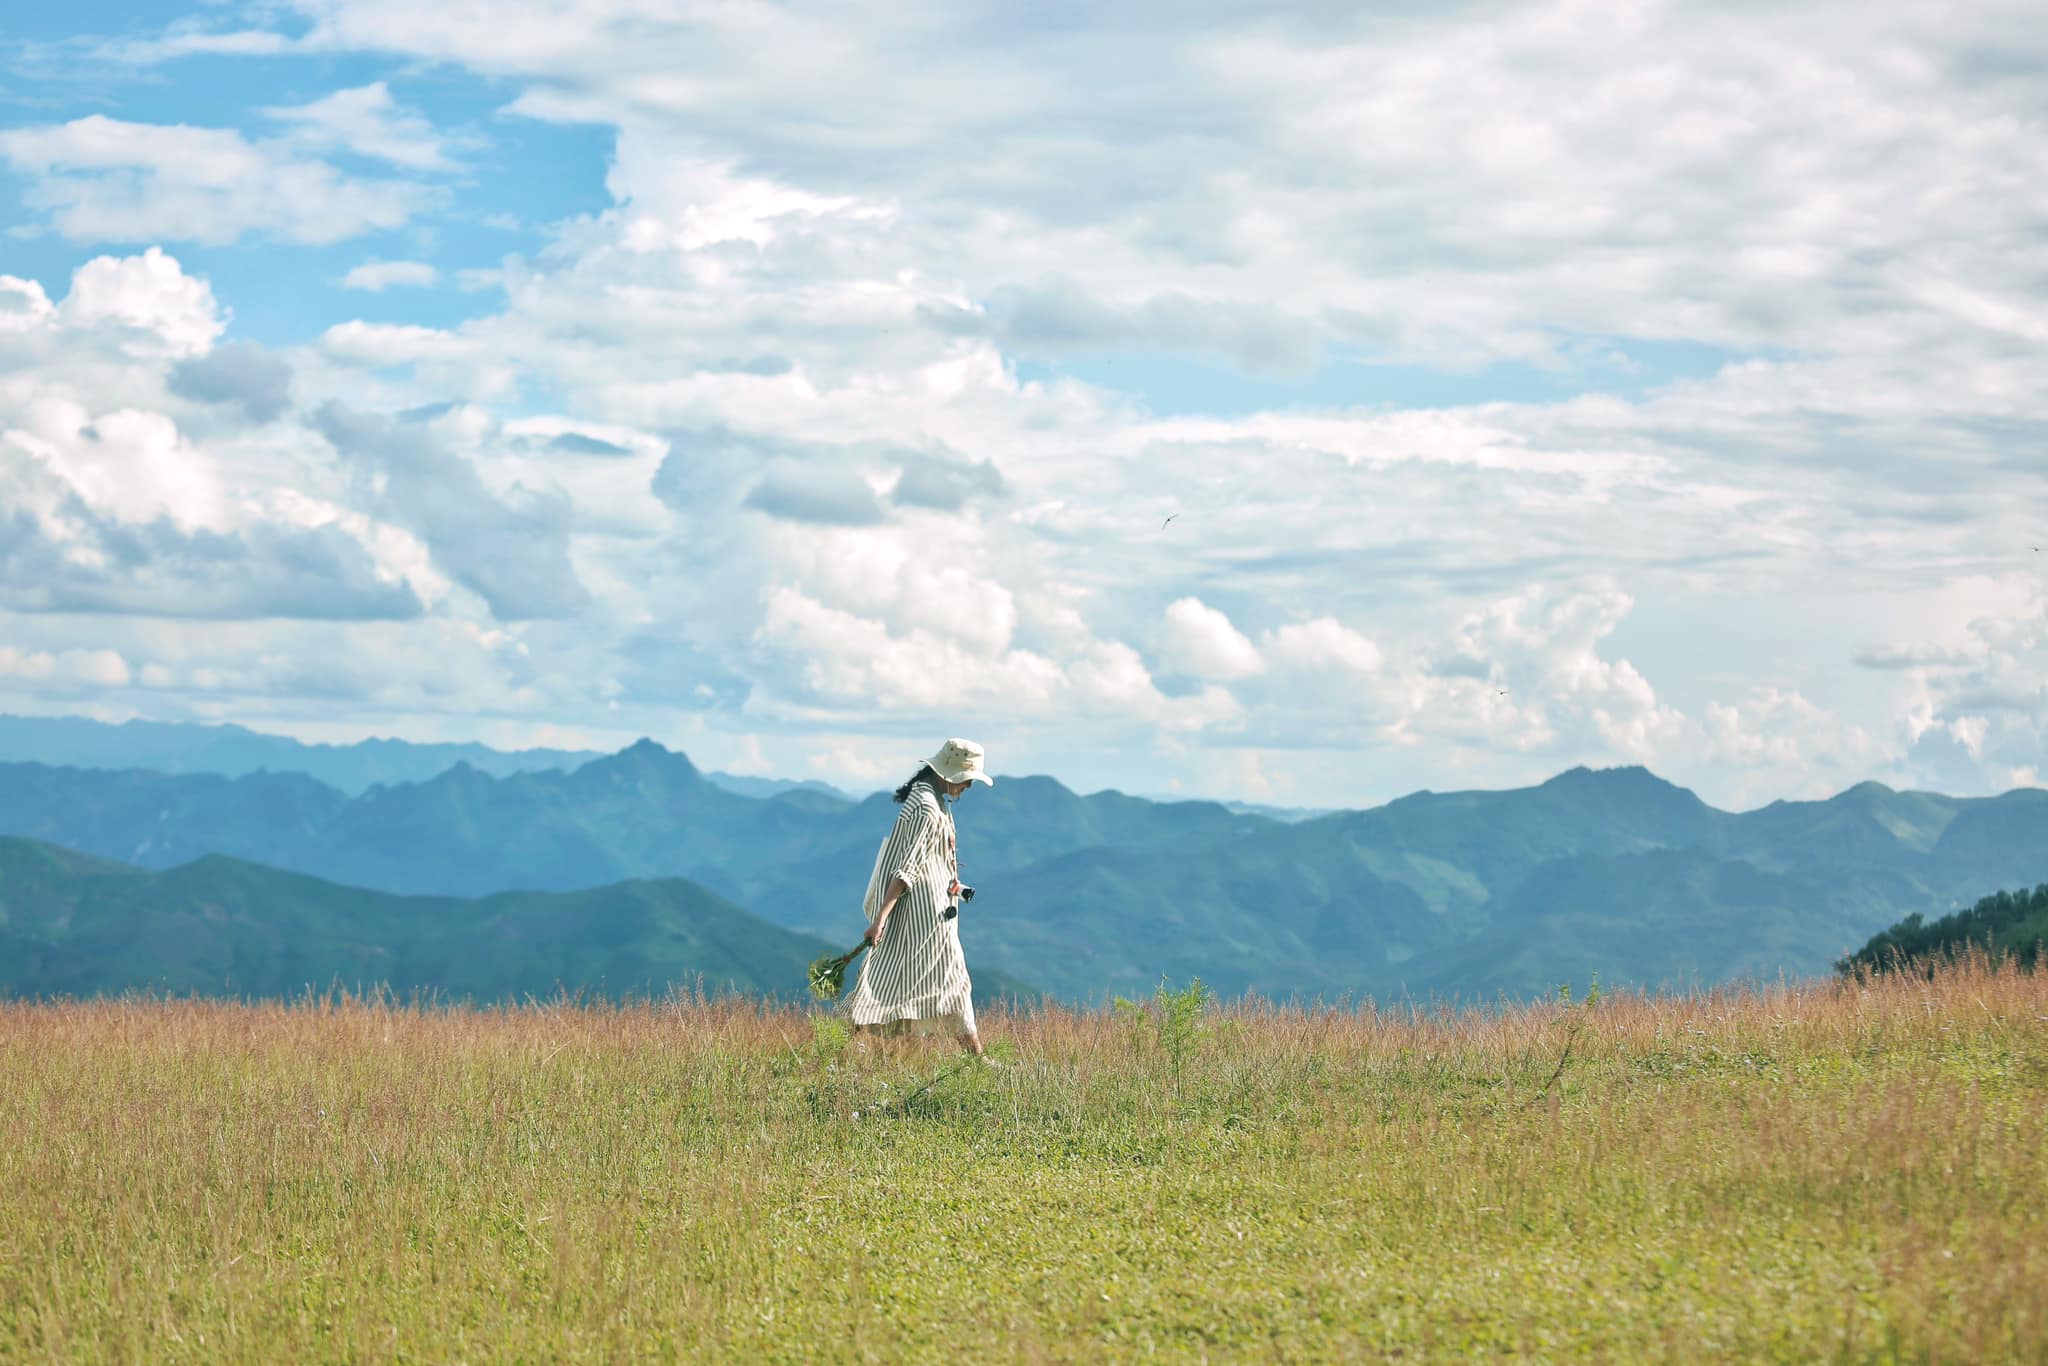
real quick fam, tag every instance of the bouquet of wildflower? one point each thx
(828, 974)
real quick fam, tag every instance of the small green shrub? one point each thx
(829, 1037)
(1171, 1021)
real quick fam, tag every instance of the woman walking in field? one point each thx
(914, 977)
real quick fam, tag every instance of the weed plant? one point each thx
(1849, 1170)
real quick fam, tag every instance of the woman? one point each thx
(914, 977)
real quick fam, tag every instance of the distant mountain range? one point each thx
(1466, 894)
(231, 751)
(75, 925)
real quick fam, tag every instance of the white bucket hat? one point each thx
(959, 761)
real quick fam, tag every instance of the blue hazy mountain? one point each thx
(231, 751)
(1462, 893)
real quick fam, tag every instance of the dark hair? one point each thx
(928, 776)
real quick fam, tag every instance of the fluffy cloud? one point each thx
(135, 466)
(1977, 717)
(103, 179)
(169, 535)
(368, 122)
(109, 506)
(380, 344)
(1528, 670)
(511, 548)
(1779, 729)
(942, 669)
(23, 305)
(147, 303)
(1198, 640)
(157, 569)
(1322, 645)
(845, 658)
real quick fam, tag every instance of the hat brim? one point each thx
(972, 775)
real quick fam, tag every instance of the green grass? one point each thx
(1845, 1170)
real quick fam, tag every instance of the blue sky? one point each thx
(1527, 386)
(518, 176)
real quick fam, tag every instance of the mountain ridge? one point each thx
(75, 925)
(233, 750)
(1097, 894)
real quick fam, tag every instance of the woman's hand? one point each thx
(876, 930)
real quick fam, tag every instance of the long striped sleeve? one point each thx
(917, 832)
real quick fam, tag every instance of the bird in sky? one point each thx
(1169, 517)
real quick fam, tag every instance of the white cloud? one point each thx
(837, 657)
(368, 122)
(23, 305)
(832, 243)
(381, 344)
(104, 179)
(188, 41)
(1528, 670)
(148, 302)
(1146, 187)
(69, 668)
(1198, 640)
(134, 466)
(1973, 722)
(842, 657)
(1769, 727)
(378, 276)
(110, 506)
(1321, 644)
(1970, 732)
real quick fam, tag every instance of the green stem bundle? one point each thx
(828, 974)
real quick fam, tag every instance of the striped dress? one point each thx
(917, 972)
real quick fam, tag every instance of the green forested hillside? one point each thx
(2014, 923)
(71, 924)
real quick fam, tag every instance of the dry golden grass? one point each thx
(1838, 1170)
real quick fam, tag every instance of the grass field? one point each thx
(1830, 1170)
